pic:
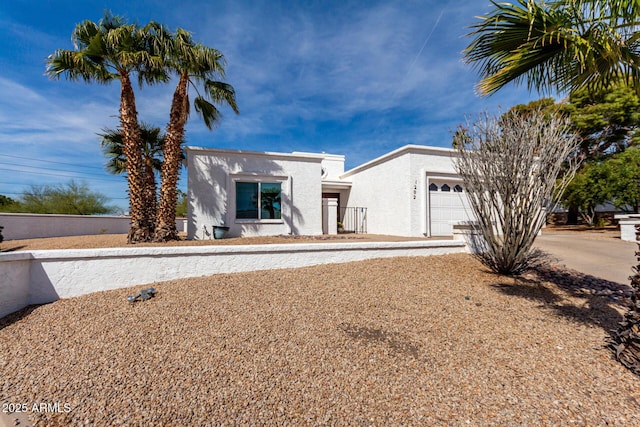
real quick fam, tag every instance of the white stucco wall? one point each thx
(32, 226)
(39, 277)
(393, 188)
(384, 190)
(333, 166)
(29, 226)
(212, 174)
(14, 282)
(628, 224)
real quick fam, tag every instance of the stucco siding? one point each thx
(385, 191)
(425, 166)
(332, 166)
(394, 190)
(212, 178)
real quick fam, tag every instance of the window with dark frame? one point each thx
(258, 200)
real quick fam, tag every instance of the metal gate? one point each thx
(354, 220)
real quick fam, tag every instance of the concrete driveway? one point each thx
(599, 254)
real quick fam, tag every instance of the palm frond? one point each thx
(616, 13)
(76, 66)
(207, 111)
(519, 41)
(111, 21)
(112, 145)
(83, 33)
(220, 92)
(550, 46)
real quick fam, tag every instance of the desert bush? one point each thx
(510, 165)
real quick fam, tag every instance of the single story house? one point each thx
(411, 191)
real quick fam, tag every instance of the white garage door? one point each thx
(448, 204)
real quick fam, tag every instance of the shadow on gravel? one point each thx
(596, 310)
(601, 297)
(14, 317)
(13, 249)
(395, 341)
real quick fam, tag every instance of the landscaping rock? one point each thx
(380, 342)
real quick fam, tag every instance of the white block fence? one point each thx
(32, 226)
(38, 277)
(628, 224)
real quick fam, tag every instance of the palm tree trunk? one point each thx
(151, 202)
(166, 224)
(140, 230)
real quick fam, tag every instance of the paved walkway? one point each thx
(601, 255)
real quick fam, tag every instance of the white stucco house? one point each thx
(411, 191)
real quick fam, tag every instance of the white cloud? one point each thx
(336, 66)
(348, 77)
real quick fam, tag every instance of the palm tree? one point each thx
(565, 45)
(198, 67)
(561, 45)
(152, 142)
(112, 50)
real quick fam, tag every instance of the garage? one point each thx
(448, 205)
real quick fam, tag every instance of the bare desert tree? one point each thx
(513, 167)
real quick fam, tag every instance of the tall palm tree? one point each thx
(113, 50)
(152, 142)
(198, 67)
(565, 45)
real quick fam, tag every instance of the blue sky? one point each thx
(359, 78)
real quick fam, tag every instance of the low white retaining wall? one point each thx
(31, 226)
(465, 231)
(39, 277)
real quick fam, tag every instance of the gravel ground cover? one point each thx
(411, 341)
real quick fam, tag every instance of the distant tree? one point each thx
(607, 119)
(607, 122)
(546, 106)
(509, 166)
(624, 169)
(612, 180)
(72, 198)
(590, 187)
(182, 205)
(5, 202)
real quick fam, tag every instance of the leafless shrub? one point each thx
(510, 165)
